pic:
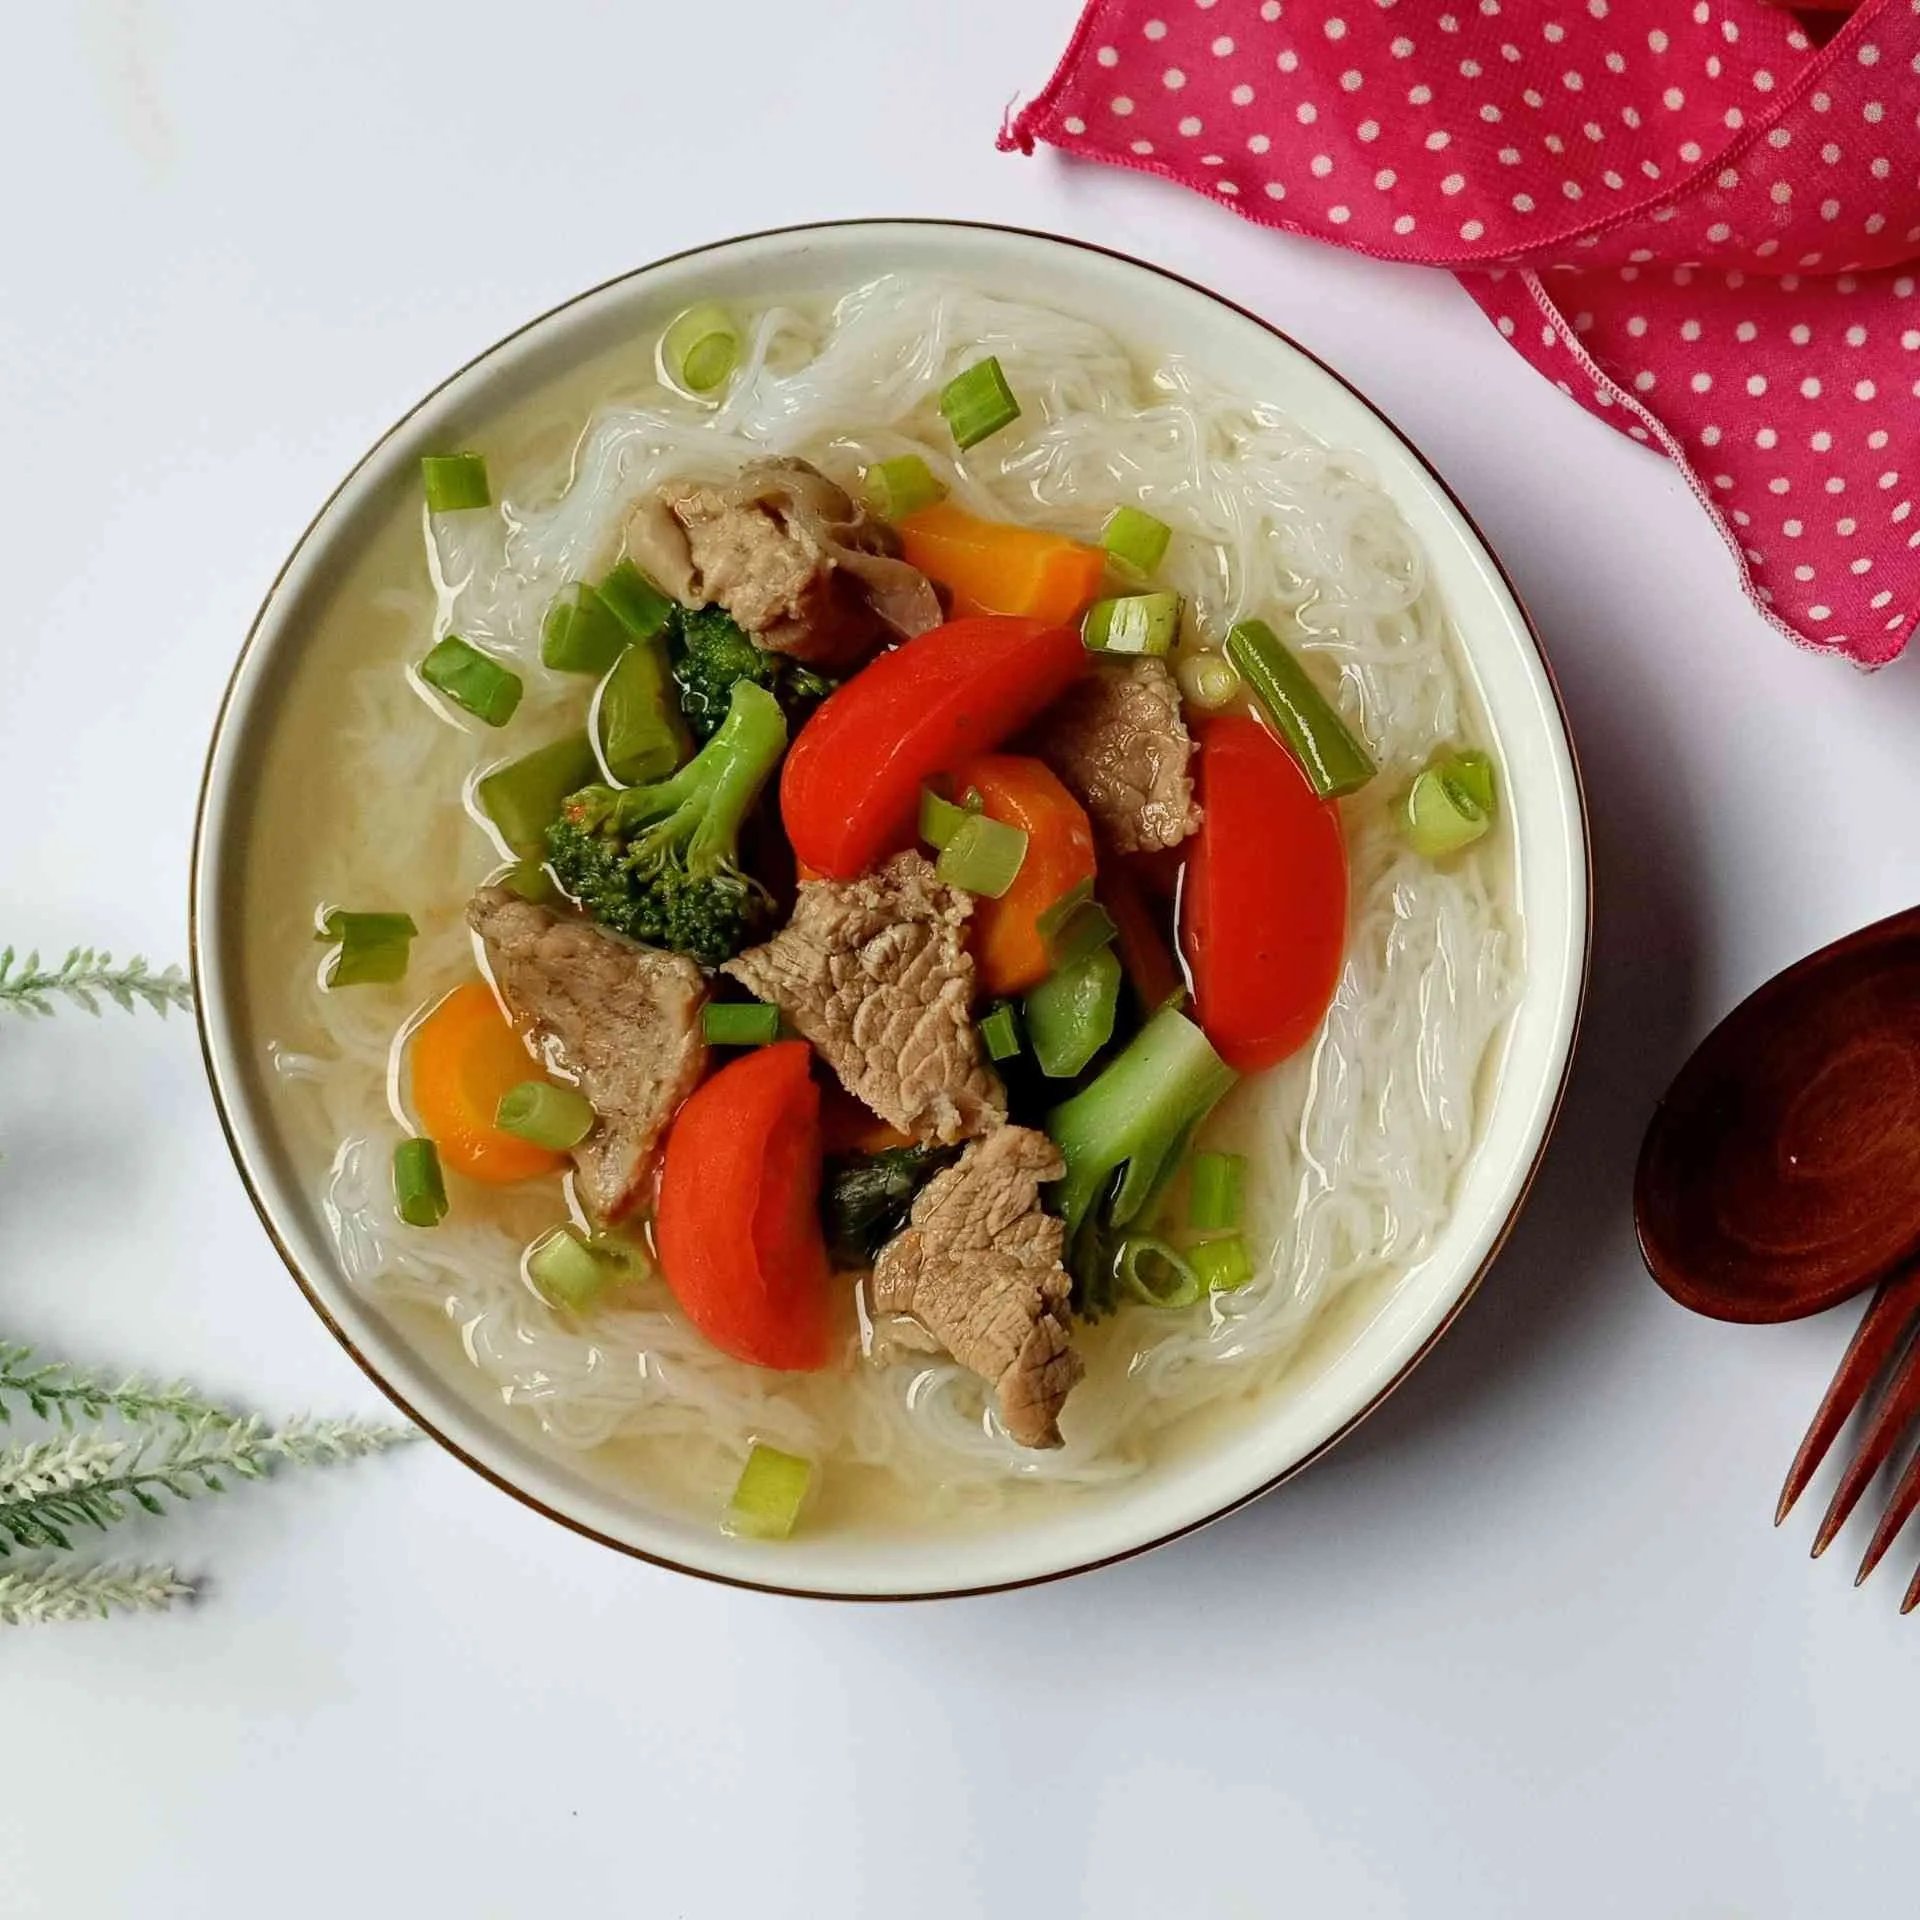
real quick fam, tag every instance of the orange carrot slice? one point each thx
(1010, 953)
(991, 567)
(463, 1056)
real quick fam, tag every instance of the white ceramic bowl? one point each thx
(1288, 1428)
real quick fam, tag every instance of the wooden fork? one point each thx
(1887, 1329)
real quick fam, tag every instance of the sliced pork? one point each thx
(979, 1267)
(799, 564)
(621, 1019)
(1118, 743)
(873, 972)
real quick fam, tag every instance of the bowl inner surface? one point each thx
(1363, 1345)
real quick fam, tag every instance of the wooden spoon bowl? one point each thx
(1781, 1173)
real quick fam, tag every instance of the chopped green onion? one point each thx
(1208, 679)
(1070, 1013)
(740, 1023)
(940, 818)
(581, 633)
(419, 1192)
(1087, 928)
(522, 797)
(620, 1257)
(700, 348)
(636, 602)
(472, 679)
(1137, 623)
(1333, 760)
(1055, 917)
(1221, 1265)
(984, 856)
(642, 734)
(1472, 774)
(766, 1502)
(1136, 539)
(374, 947)
(1000, 1032)
(565, 1270)
(1169, 1281)
(903, 486)
(554, 1117)
(978, 403)
(1441, 815)
(530, 880)
(1214, 1185)
(455, 482)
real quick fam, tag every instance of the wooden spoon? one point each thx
(1781, 1173)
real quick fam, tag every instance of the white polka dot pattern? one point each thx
(1692, 219)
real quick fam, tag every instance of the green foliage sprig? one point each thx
(85, 977)
(49, 1489)
(114, 1446)
(38, 1596)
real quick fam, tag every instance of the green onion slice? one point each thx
(1221, 1265)
(1156, 1273)
(1137, 623)
(581, 633)
(374, 947)
(522, 797)
(700, 348)
(978, 403)
(1000, 1032)
(1208, 679)
(1334, 761)
(1136, 539)
(740, 1023)
(472, 679)
(1088, 928)
(903, 486)
(1056, 916)
(766, 1502)
(984, 856)
(554, 1117)
(1070, 1014)
(941, 818)
(1441, 815)
(565, 1270)
(1215, 1184)
(455, 482)
(636, 602)
(419, 1191)
(1471, 773)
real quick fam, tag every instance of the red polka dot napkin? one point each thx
(1695, 222)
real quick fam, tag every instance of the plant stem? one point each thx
(85, 977)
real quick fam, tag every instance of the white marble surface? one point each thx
(1526, 1645)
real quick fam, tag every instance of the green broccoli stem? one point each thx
(1123, 1139)
(707, 802)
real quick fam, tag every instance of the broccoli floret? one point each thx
(662, 862)
(711, 655)
(1123, 1139)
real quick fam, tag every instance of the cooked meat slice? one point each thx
(802, 567)
(1119, 743)
(979, 1268)
(622, 1019)
(872, 971)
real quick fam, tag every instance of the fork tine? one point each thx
(1913, 1596)
(1898, 1405)
(1906, 1496)
(1875, 1340)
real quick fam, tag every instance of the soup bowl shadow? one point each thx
(1281, 1432)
